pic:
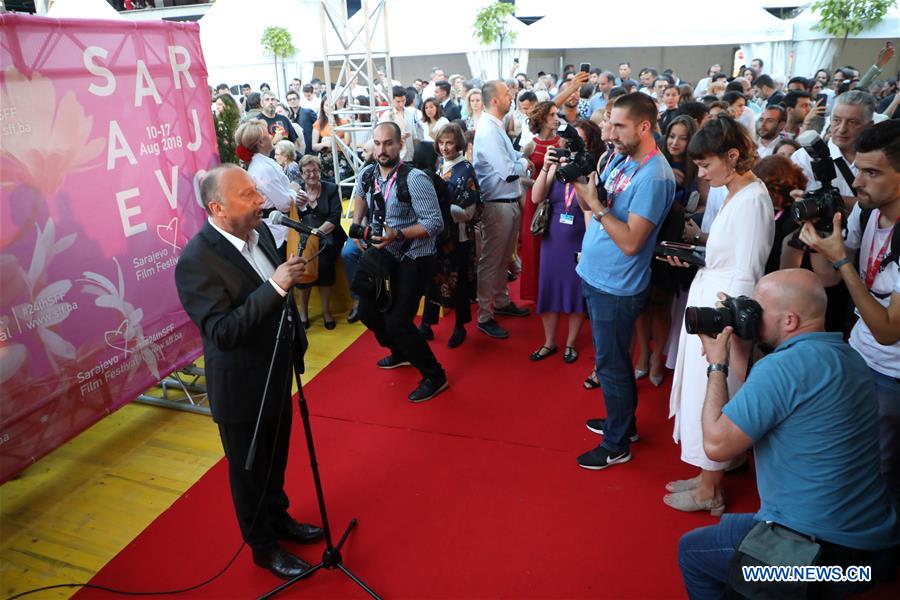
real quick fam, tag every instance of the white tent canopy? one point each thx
(589, 24)
(83, 9)
(815, 49)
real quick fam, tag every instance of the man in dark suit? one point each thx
(442, 95)
(230, 287)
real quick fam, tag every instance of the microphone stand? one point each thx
(331, 557)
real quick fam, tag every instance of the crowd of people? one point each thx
(620, 202)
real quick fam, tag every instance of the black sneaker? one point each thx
(511, 310)
(597, 425)
(600, 458)
(392, 362)
(491, 328)
(429, 388)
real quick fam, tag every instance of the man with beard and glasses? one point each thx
(410, 227)
(279, 126)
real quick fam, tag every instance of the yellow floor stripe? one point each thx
(65, 517)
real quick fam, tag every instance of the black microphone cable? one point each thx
(103, 588)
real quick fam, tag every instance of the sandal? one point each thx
(592, 383)
(570, 355)
(685, 502)
(539, 355)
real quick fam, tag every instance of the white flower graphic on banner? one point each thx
(37, 305)
(128, 337)
(44, 140)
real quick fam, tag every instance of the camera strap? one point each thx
(621, 181)
(873, 266)
(846, 173)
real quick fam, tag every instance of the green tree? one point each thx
(277, 41)
(226, 125)
(492, 25)
(843, 18)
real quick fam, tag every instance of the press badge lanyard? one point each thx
(566, 218)
(619, 185)
(387, 185)
(874, 263)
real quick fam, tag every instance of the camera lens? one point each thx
(706, 320)
(804, 210)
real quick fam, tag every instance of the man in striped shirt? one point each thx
(410, 227)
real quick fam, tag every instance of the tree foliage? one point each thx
(843, 18)
(492, 23)
(277, 41)
(226, 125)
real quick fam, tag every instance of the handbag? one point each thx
(541, 218)
(770, 544)
(373, 277)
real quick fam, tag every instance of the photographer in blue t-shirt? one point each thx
(808, 410)
(638, 188)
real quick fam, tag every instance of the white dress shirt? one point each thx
(253, 254)
(802, 159)
(275, 187)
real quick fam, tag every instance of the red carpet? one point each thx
(474, 494)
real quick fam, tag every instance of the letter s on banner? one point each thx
(88, 56)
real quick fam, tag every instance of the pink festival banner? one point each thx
(105, 130)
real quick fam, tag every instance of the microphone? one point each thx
(278, 218)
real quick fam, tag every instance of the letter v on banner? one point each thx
(171, 192)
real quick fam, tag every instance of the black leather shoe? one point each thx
(281, 563)
(301, 533)
(511, 310)
(428, 388)
(491, 328)
(353, 315)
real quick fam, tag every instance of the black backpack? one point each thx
(441, 190)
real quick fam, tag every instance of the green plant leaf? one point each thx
(842, 18)
(492, 23)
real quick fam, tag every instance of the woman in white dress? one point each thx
(738, 246)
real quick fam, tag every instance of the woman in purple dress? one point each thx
(559, 287)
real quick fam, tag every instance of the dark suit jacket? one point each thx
(451, 111)
(237, 313)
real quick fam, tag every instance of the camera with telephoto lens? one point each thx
(580, 162)
(376, 227)
(823, 203)
(742, 313)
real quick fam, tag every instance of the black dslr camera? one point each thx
(826, 201)
(375, 228)
(580, 162)
(742, 313)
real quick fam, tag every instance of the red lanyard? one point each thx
(874, 263)
(570, 195)
(387, 185)
(618, 185)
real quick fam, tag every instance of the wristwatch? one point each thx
(836, 265)
(400, 236)
(717, 367)
(599, 216)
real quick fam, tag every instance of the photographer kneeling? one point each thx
(808, 410)
(394, 271)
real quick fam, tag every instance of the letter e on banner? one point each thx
(90, 53)
(125, 212)
(117, 146)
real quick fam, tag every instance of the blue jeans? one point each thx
(350, 254)
(612, 328)
(887, 394)
(704, 555)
